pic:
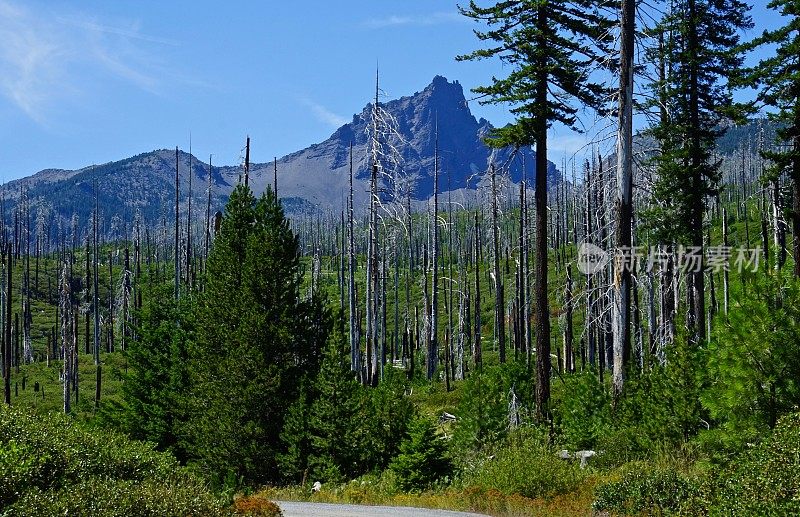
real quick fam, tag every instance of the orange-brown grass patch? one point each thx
(256, 506)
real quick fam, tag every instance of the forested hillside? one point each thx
(624, 341)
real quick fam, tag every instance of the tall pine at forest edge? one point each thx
(779, 73)
(551, 47)
(701, 49)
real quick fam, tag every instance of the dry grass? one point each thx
(256, 506)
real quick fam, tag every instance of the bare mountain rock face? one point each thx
(319, 174)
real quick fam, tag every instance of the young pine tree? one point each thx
(753, 360)
(337, 415)
(255, 340)
(422, 460)
(153, 408)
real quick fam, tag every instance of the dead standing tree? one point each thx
(65, 306)
(390, 185)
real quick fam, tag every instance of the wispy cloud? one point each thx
(323, 114)
(414, 20)
(30, 59)
(133, 32)
(48, 58)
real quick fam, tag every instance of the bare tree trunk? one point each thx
(247, 162)
(569, 365)
(464, 330)
(188, 225)
(27, 349)
(89, 298)
(526, 275)
(477, 353)
(795, 174)
(499, 320)
(7, 330)
(521, 289)
(177, 230)
(624, 208)
(351, 280)
(96, 298)
(66, 338)
(396, 337)
(110, 332)
(778, 226)
(208, 215)
(16, 342)
(126, 293)
(372, 281)
(725, 275)
(433, 343)
(408, 343)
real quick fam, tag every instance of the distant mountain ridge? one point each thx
(313, 178)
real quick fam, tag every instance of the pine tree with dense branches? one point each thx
(335, 417)
(779, 76)
(153, 406)
(701, 48)
(255, 340)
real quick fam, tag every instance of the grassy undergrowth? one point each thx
(38, 385)
(372, 491)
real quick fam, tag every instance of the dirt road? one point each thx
(300, 509)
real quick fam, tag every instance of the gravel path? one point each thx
(298, 509)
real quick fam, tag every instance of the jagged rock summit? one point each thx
(319, 174)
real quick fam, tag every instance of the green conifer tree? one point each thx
(551, 48)
(336, 416)
(422, 459)
(256, 340)
(153, 405)
(700, 46)
(779, 74)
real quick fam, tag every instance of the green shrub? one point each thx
(421, 460)
(120, 498)
(256, 506)
(51, 466)
(645, 489)
(660, 406)
(483, 409)
(581, 410)
(21, 468)
(766, 479)
(527, 468)
(386, 416)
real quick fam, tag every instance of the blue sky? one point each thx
(95, 81)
